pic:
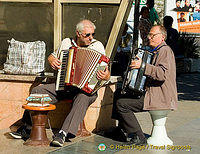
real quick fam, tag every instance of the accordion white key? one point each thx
(79, 67)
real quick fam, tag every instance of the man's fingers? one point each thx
(55, 64)
(101, 74)
(137, 58)
(135, 64)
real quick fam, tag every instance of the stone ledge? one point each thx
(45, 78)
(15, 89)
(22, 78)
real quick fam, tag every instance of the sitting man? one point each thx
(81, 101)
(161, 91)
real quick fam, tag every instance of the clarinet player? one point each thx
(160, 90)
(85, 31)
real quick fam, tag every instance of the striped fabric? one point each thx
(25, 58)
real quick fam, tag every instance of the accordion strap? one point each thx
(73, 43)
(93, 42)
(153, 63)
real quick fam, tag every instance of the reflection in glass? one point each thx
(25, 22)
(103, 17)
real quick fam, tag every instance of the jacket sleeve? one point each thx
(159, 71)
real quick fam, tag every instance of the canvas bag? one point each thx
(25, 58)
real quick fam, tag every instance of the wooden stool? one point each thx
(38, 135)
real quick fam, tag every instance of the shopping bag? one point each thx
(25, 57)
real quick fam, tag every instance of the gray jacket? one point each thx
(161, 90)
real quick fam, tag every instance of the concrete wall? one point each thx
(13, 95)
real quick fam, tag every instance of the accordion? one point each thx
(79, 67)
(135, 79)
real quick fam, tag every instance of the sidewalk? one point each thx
(183, 127)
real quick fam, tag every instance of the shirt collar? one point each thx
(74, 42)
(157, 47)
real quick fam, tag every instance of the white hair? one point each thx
(82, 24)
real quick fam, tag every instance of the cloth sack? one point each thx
(25, 58)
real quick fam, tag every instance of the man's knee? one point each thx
(121, 105)
(85, 99)
(37, 89)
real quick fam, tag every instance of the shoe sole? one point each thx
(56, 144)
(15, 136)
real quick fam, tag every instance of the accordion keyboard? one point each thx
(60, 83)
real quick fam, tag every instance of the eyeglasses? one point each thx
(88, 34)
(150, 35)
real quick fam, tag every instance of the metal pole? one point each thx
(136, 24)
(135, 41)
(165, 8)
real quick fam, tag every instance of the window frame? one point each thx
(122, 15)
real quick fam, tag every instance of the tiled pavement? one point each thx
(183, 127)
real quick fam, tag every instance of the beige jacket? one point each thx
(161, 80)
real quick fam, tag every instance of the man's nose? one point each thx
(90, 37)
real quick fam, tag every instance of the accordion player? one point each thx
(134, 79)
(79, 67)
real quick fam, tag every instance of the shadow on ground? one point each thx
(189, 87)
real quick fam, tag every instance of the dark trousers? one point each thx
(81, 102)
(124, 107)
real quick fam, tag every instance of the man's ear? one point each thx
(163, 38)
(77, 34)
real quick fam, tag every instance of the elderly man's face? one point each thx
(86, 36)
(155, 37)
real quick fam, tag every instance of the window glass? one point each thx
(25, 22)
(103, 17)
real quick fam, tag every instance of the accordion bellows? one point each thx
(136, 79)
(79, 67)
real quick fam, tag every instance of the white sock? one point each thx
(62, 131)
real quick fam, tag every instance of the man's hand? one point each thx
(136, 63)
(103, 75)
(54, 62)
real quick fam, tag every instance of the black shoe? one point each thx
(21, 133)
(116, 134)
(59, 140)
(137, 141)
